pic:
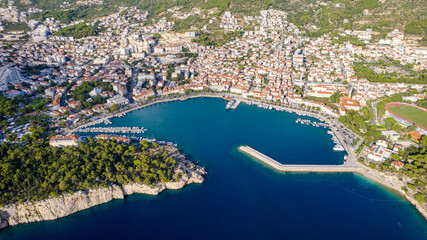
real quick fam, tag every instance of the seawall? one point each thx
(295, 167)
(389, 181)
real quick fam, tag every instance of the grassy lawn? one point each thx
(415, 115)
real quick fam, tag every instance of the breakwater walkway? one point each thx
(351, 165)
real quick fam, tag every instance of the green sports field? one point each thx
(412, 114)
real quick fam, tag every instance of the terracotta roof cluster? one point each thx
(397, 164)
(117, 138)
(64, 138)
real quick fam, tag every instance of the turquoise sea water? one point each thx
(241, 198)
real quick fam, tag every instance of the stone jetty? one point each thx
(348, 166)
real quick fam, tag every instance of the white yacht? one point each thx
(338, 147)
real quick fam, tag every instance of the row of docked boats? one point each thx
(150, 140)
(312, 123)
(182, 99)
(120, 115)
(114, 130)
(265, 106)
(154, 140)
(338, 146)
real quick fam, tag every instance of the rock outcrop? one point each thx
(66, 204)
(57, 207)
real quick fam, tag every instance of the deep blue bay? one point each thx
(241, 198)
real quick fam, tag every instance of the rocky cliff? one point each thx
(66, 204)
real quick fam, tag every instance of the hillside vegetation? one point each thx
(327, 15)
(77, 31)
(38, 171)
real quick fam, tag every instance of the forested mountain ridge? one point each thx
(380, 15)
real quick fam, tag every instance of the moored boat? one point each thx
(338, 147)
(230, 104)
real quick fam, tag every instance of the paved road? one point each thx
(375, 112)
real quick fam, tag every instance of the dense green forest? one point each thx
(363, 72)
(11, 26)
(37, 171)
(422, 103)
(356, 122)
(78, 13)
(78, 31)
(33, 70)
(217, 39)
(81, 93)
(10, 108)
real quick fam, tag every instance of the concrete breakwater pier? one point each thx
(232, 104)
(351, 165)
(348, 166)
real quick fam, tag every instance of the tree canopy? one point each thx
(78, 31)
(335, 97)
(37, 171)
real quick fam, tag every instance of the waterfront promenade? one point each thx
(334, 125)
(351, 165)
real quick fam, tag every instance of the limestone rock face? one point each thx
(195, 178)
(132, 188)
(54, 208)
(66, 204)
(3, 219)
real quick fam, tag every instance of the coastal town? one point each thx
(357, 83)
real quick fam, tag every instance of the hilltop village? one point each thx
(53, 79)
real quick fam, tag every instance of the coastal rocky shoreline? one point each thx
(67, 204)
